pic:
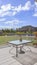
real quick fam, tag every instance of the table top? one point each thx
(18, 42)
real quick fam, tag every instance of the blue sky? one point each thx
(17, 13)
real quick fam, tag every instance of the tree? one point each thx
(35, 33)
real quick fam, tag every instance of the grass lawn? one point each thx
(5, 39)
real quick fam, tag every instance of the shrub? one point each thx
(35, 33)
(34, 43)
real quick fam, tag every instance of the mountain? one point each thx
(27, 28)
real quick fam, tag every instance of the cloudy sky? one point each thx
(17, 13)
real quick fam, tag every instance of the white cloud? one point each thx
(18, 8)
(6, 13)
(5, 10)
(9, 9)
(35, 9)
(6, 7)
(14, 13)
(35, 3)
(35, 6)
(27, 6)
(5, 27)
(13, 23)
(2, 19)
(35, 14)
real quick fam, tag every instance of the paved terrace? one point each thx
(28, 58)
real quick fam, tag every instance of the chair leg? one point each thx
(28, 48)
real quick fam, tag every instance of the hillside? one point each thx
(27, 28)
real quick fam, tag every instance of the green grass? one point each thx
(5, 39)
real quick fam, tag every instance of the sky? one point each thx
(17, 13)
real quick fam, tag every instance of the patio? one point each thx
(28, 58)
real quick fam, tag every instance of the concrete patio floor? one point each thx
(9, 59)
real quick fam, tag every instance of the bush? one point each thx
(34, 43)
(35, 33)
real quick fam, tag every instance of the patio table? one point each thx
(17, 43)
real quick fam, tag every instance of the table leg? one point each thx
(16, 51)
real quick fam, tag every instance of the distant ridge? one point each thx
(27, 28)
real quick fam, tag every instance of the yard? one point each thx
(5, 39)
(29, 58)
